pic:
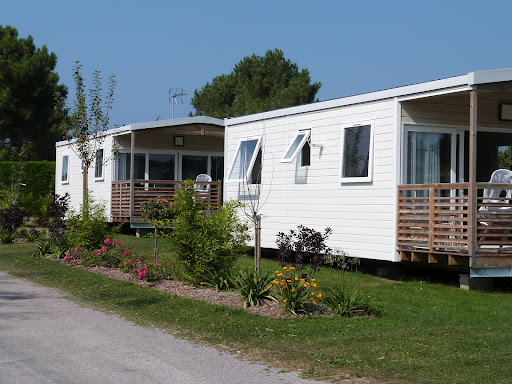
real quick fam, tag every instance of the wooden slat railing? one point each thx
(149, 189)
(433, 218)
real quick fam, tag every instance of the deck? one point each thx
(434, 225)
(144, 190)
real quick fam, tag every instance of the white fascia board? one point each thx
(437, 85)
(494, 76)
(177, 122)
(109, 132)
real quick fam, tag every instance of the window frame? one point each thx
(291, 159)
(362, 179)
(248, 171)
(66, 181)
(101, 165)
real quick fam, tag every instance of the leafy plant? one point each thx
(294, 291)
(253, 287)
(221, 279)
(88, 228)
(109, 255)
(347, 301)
(204, 242)
(55, 218)
(44, 247)
(304, 246)
(11, 218)
(158, 212)
(31, 235)
(144, 268)
(7, 238)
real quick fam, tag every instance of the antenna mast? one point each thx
(175, 97)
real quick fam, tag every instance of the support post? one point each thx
(132, 173)
(257, 243)
(472, 192)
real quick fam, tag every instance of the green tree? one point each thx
(89, 119)
(29, 89)
(256, 84)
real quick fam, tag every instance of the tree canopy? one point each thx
(31, 100)
(256, 84)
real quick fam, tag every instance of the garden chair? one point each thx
(202, 185)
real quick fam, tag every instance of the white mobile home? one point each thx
(398, 174)
(153, 159)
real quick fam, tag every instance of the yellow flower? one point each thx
(276, 281)
(313, 284)
(281, 274)
(296, 278)
(288, 280)
(319, 295)
(285, 268)
(293, 289)
(305, 285)
(292, 268)
(314, 302)
(277, 271)
(285, 300)
(312, 294)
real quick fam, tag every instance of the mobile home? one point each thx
(143, 160)
(399, 174)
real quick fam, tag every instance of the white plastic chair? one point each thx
(202, 188)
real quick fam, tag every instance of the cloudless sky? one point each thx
(351, 47)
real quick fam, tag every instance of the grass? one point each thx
(426, 332)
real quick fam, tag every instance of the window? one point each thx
(193, 165)
(123, 166)
(217, 168)
(161, 166)
(356, 153)
(297, 145)
(98, 165)
(247, 155)
(65, 169)
(305, 155)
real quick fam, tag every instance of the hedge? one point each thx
(39, 177)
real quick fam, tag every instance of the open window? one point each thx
(357, 153)
(98, 165)
(246, 166)
(299, 144)
(65, 170)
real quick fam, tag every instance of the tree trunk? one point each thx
(156, 244)
(85, 179)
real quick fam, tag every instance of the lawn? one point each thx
(426, 332)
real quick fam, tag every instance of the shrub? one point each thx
(146, 269)
(294, 291)
(10, 220)
(88, 227)
(253, 287)
(204, 242)
(44, 247)
(109, 255)
(54, 218)
(304, 246)
(158, 212)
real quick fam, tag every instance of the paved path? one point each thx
(45, 338)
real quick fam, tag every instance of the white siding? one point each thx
(100, 190)
(361, 214)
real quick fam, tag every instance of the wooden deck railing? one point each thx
(148, 189)
(433, 219)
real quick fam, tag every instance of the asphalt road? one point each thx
(45, 338)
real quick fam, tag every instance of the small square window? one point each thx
(357, 153)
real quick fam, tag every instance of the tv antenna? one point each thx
(175, 97)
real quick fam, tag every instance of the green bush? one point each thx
(221, 279)
(347, 301)
(204, 242)
(87, 228)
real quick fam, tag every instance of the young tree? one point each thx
(256, 84)
(28, 88)
(86, 125)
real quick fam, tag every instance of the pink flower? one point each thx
(138, 261)
(157, 264)
(67, 257)
(120, 264)
(135, 270)
(77, 249)
(142, 273)
(126, 254)
(107, 241)
(146, 262)
(164, 201)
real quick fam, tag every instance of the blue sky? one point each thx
(350, 46)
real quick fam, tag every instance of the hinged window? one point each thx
(98, 165)
(297, 145)
(246, 166)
